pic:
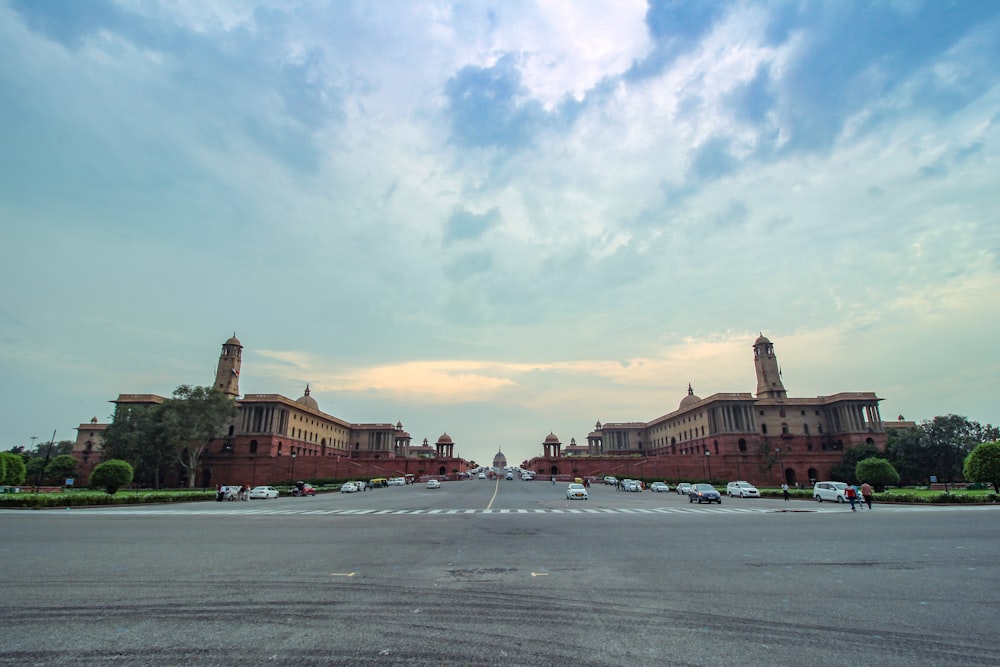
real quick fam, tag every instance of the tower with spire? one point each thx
(227, 375)
(768, 373)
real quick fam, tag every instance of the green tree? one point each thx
(111, 475)
(13, 468)
(199, 415)
(845, 470)
(877, 471)
(950, 439)
(983, 465)
(909, 453)
(144, 436)
(60, 468)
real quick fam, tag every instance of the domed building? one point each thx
(499, 461)
(766, 438)
(274, 437)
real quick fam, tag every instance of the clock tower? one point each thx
(227, 375)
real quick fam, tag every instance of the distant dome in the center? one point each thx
(499, 461)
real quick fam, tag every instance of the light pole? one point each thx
(291, 473)
(708, 459)
(781, 472)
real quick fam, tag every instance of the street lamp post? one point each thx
(708, 459)
(781, 471)
(291, 473)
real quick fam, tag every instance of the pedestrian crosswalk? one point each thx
(243, 509)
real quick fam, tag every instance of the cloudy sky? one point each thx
(497, 219)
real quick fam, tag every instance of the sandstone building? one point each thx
(766, 438)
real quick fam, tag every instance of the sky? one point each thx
(497, 220)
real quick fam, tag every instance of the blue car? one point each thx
(704, 493)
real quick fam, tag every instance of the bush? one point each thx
(12, 468)
(112, 475)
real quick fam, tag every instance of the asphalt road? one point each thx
(507, 573)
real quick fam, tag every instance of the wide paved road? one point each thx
(507, 573)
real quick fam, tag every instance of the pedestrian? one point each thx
(784, 490)
(852, 496)
(866, 493)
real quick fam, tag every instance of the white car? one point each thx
(577, 492)
(482, 475)
(397, 481)
(263, 492)
(433, 484)
(683, 488)
(659, 487)
(349, 487)
(632, 485)
(742, 490)
(833, 491)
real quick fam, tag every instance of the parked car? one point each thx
(349, 487)
(227, 493)
(482, 475)
(833, 491)
(303, 489)
(683, 488)
(610, 480)
(631, 485)
(659, 487)
(577, 492)
(397, 481)
(433, 484)
(704, 493)
(742, 489)
(263, 492)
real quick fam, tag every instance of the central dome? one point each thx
(499, 461)
(690, 399)
(308, 401)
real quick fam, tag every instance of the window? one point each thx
(763, 429)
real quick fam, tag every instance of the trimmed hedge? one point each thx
(91, 498)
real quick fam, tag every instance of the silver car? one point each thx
(742, 490)
(832, 491)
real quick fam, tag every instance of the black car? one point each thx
(704, 493)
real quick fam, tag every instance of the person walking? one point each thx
(784, 490)
(866, 493)
(852, 496)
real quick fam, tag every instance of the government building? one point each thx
(766, 438)
(275, 439)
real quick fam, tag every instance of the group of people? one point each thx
(852, 495)
(851, 492)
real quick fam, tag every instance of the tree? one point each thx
(845, 470)
(60, 468)
(877, 471)
(908, 451)
(112, 475)
(950, 439)
(199, 416)
(983, 465)
(144, 436)
(768, 457)
(13, 469)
